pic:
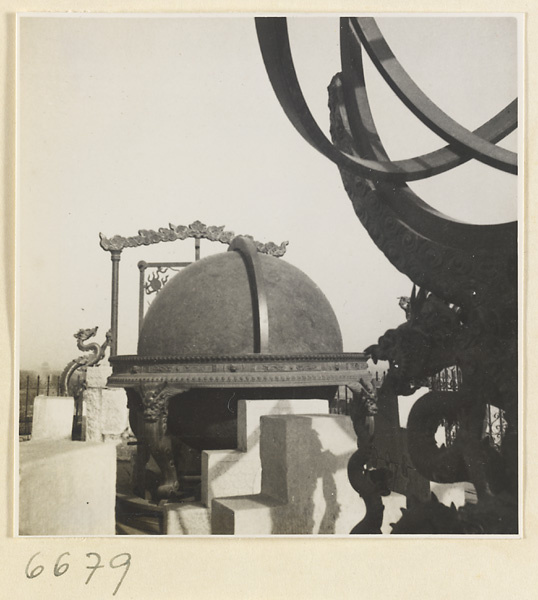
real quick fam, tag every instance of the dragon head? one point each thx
(85, 334)
(420, 347)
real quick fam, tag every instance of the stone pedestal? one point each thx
(233, 472)
(53, 417)
(67, 488)
(305, 488)
(105, 416)
(238, 472)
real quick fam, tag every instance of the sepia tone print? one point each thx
(348, 364)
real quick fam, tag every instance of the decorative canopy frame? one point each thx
(146, 237)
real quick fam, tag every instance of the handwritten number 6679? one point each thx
(60, 568)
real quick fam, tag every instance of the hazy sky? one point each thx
(130, 123)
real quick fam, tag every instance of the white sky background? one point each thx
(130, 123)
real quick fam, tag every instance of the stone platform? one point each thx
(233, 472)
(53, 417)
(294, 470)
(305, 489)
(105, 414)
(67, 488)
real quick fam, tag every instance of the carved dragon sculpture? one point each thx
(437, 335)
(468, 317)
(98, 353)
(370, 483)
(422, 346)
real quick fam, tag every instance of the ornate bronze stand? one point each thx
(179, 399)
(465, 313)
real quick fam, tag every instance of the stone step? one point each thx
(304, 489)
(122, 529)
(237, 471)
(304, 486)
(136, 514)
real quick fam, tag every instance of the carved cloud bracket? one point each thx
(197, 230)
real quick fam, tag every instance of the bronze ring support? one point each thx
(421, 106)
(274, 44)
(363, 129)
(248, 252)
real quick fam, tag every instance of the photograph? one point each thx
(269, 275)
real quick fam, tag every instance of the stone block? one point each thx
(53, 417)
(92, 400)
(249, 413)
(235, 472)
(229, 473)
(305, 489)
(238, 472)
(67, 488)
(244, 515)
(96, 377)
(115, 416)
(105, 413)
(186, 519)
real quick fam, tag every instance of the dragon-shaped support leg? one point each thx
(370, 483)
(467, 459)
(482, 344)
(150, 403)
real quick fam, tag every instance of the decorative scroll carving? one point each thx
(135, 359)
(154, 400)
(197, 230)
(255, 370)
(156, 281)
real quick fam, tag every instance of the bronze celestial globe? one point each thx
(235, 325)
(207, 309)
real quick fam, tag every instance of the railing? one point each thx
(447, 380)
(450, 380)
(339, 405)
(31, 386)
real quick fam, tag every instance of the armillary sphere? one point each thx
(466, 313)
(466, 264)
